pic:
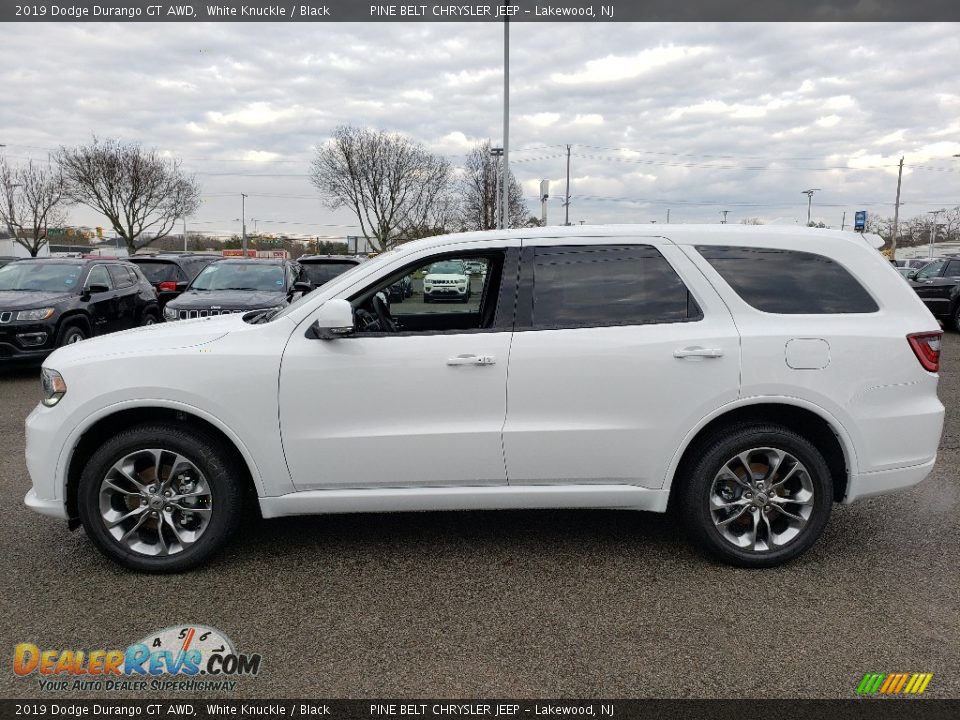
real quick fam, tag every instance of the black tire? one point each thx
(149, 317)
(698, 488)
(208, 455)
(70, 334)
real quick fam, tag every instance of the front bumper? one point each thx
(43, 506)
(15, 337)
(445, 292)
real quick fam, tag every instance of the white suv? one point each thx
(447, 280)
(750, 376)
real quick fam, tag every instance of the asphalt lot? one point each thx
(513, 604)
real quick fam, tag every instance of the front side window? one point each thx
(931, 270)
(99, 276)
(788, 282)
(602, 285)
(433, 296)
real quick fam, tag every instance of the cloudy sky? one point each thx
(691, 117)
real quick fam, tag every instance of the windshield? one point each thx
(239, 276)
(447, 268)
(40, 277)
(320, 273)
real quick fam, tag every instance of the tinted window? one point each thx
(930, 270)
(953, 269)
(99, 276)
(320, 273)
(120, 277)
(158, 271)
(607, 285)
(789, 282)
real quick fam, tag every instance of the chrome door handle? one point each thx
(472, 360)
(698, 352)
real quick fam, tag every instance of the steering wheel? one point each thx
(383, 315)
(366, 322)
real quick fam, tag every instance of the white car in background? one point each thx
(447, 280)
(752, 376)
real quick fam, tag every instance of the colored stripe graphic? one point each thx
(894, 683)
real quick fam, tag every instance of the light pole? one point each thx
(809, 193)
(505, 184)
(933, 228)
(243, 216)
(724, 213)
(497, 206)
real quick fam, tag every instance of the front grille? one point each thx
(6, 317)
(190, 314)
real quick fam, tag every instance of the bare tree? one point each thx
(140, 192)
(751, 221)
(31, 201)
(480, 195)
(393, 185)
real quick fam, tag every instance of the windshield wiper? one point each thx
(240, 288)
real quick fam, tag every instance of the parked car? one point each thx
(401, 289)
(938, 285)
(171, 272)
(239, 285)
(321, 269)
(750, 376)
(475, 267)
(447, 280)
(50, 302)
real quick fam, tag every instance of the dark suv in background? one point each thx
(938, 285)
(322, 269)
(171, 272)
(238, 286)
(46, 303)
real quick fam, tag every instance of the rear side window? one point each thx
(600, 285)
(789, 282)
(121, 278)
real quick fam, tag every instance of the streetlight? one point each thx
(933, 228)
(809, 193)
(498, 153)
(243, 216)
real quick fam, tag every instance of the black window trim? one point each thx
(504, 316)
(524, 312)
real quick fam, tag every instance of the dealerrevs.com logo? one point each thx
(894, 683)
(180, 658)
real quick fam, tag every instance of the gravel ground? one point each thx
(514, 604)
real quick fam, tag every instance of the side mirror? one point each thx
(302, 287)
(912, 275)
(335, 320)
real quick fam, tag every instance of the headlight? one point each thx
(53, 386)
(170, 314)
(39, 314)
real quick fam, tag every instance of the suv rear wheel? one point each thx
(159, 498)
(759, 496)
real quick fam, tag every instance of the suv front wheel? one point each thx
(158, 498)
(760, 495)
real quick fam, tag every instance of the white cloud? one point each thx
(618, 67)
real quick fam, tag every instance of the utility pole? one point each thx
(566, 217)
(505, 184)
(497, 206)
(544, 196)
(668, 216)
(843, 222)
(184, 234)
(724, 221)
(243, 220)
(933, 228)
(896, 215)
(809, 193)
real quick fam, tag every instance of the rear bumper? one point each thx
(866, 485)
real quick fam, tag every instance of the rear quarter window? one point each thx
(789, 282)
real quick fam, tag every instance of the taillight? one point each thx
(926, 346)
(167, 286)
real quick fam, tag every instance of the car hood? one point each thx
(442, 276)
(150, 339)
(29, 299)
(228, 300)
